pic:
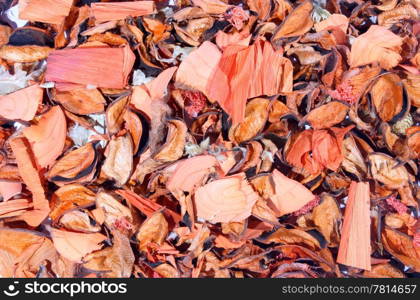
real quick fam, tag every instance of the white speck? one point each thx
(18, 126)
(172, 236)
(11, 83)
(139, 78)
(47, 85)
(168, 11)
(80, 135)
(13, 15)
(267, 155)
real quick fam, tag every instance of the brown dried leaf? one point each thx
(119, 162)
(402, 247)
(256, 114)
(388, 171)
(175, 142)
(153, 230)
(74, 246)
(79, 221)
(24, 54)
(327, 115)
(81, 101)
(113, 210)
(297, 23)
(327, 217)
(293, 237)
(76, 166)
(116, 261)
(69, 197)
(115, 114)
(353, 161)
(387, 96)
(376, 45)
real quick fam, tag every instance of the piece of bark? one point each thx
(31, 177)
(80, 66)
(47, 11)
(355, 246)
(110, 11)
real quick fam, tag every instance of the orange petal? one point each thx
(229, 199)
(157, 87)
(9, 189)
(190, 172)
(47, 138)
(378, 44)
(74, 246)
(333, 21)
(22, 104)
(198, 68)
(290, 195)
(299, 153)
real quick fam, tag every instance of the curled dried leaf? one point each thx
(70, 197)
(114, 211)
(297, 23)
(81, 101)
(175, 142)
(115, 114)
(353, 160)
(293, 237)
(76, 166)
(402, 247)
(24, 54)
(256, 114)
(115, 261)
(388, 171)
(327, 217)
(387, 96)
(378, 44)
(327, 115)
(118, 164)
(79, 221)
(153, 230)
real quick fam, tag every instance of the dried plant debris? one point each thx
(209, 138)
